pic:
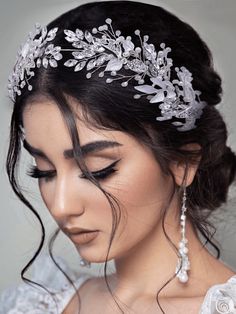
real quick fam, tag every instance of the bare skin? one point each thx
(173, 299)
(143, 257)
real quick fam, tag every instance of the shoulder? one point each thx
(221, 298)
(19, 298)
(92, 293)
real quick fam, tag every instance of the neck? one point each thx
(147, 267)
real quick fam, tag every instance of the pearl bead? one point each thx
(183, 277)
(82, 263)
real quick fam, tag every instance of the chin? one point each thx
(92, 253)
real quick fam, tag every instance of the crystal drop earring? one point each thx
(84, 263)
(183, 264)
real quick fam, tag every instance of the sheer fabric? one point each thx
(25, 299)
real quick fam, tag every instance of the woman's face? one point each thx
(73, 201)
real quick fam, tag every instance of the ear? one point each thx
(178, 168)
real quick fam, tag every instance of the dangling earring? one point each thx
(84, 263)
(183, 264)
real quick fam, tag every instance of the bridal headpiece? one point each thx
(106, 50)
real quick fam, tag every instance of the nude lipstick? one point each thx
(81, 235)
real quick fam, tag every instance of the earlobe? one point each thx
(183, 172)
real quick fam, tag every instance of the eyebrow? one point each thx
(86, 149)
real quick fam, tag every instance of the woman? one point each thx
(115, 102)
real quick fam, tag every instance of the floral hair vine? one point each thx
(108, 51)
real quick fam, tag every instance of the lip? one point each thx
(75, 230)
(84, 237)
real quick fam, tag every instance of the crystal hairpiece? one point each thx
(108, 51)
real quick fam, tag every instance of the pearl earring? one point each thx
(84, 263)
(183, 264)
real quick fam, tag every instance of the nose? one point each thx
(68, 198)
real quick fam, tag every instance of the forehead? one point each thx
(45, 125)
(45, 118)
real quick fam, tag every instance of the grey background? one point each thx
(20, 232)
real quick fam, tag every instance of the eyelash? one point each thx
(102, 174)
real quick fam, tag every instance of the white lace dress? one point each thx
(24, 299)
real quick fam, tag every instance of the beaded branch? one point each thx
(106, 50)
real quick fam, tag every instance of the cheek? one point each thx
(143, 195)
(46, 191)
(143, 186)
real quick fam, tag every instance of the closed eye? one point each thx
(103, 173)
(35, 172)
(48, 175)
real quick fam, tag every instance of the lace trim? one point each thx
(220, 299)
(25, 299)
